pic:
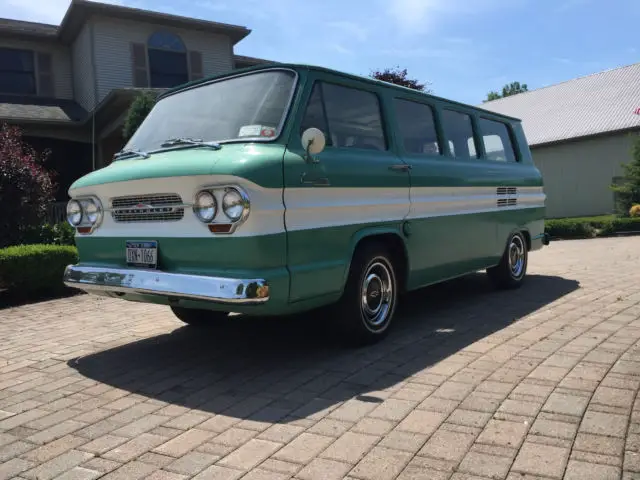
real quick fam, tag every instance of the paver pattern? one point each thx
(539, 383)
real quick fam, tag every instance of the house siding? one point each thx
(63, 84)
(83, 78)
(577, 174)
(113, 51)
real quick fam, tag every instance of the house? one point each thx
(580, 132)
(69, 86)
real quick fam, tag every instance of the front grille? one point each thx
(161, 207)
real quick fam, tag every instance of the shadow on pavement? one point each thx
(278, 370)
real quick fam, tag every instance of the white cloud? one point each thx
(42, 11)
(418, 16)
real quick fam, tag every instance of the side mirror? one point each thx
(313, 141)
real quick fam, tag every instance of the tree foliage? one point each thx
(138, 111)
(26, 188)
(512, 88)
(399, 76)
(628, 190)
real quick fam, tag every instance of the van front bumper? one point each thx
(118, 282)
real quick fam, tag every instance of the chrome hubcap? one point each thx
(376, 295)
(516, 256)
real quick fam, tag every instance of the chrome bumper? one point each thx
(181, 286)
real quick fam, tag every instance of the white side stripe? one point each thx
(307, 208)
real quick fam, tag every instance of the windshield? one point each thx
(247, 107)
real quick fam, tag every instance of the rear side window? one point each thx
(458, 131)
(416, 127)
(353, 117)
(497, 141)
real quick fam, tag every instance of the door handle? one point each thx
(317, 181)
(403, 167)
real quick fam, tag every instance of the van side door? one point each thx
(356, 182)
(451, 233)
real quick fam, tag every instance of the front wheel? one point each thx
(199, 318)
(368, 303)
(510, 272)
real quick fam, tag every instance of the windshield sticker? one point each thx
(267, 132)
(257, 131)
(250, 131)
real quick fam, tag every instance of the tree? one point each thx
(399, 77)
(512, 88)
(628, 190)
(26, 188)
(138, 111)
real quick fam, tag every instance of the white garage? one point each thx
(580, 132)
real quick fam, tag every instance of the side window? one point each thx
(458, 130)
(497, 141)
(354, 118)
(314, 115)
(416, 126)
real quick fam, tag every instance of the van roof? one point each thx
(301, 66)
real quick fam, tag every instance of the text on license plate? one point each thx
(142, 254)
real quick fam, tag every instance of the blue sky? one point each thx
(463, 48)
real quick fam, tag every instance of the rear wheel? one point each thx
(199, 318)
(366, 309)
(512, 269)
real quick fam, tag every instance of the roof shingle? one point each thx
(603, 102)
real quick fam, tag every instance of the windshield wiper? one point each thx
(128, 152)
(172, 142)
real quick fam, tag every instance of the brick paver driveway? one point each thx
(472, 384)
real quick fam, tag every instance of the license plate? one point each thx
(142, 254)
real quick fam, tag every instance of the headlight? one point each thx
(205, 207)
(74, 213)
(92, 211)
(234, 204)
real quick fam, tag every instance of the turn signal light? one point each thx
(220, 227)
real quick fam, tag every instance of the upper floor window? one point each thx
(497, 141)
(17, 72)
(168, 66)
(417, 127)
(458, 130)
(351, 116)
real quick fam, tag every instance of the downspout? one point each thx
(95, 93)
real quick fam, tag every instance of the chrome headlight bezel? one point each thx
(91, 212)
(213, 205)
(227, 198)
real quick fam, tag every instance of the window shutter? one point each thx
(45, 75)
(195, 66)
(139, 65)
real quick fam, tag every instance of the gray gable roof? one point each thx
(37, 109)
(604, 102)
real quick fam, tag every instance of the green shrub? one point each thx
(621, 225)
(35, 268)
(138, 111)
(58, 234)
(569, 228)
(628, 190)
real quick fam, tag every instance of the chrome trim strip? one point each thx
(100, 280)
(122, 209)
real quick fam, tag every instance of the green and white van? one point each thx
(285, 188)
